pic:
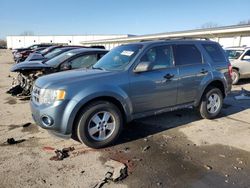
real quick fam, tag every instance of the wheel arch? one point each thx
(215, 83)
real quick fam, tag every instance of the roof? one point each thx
(81, 50)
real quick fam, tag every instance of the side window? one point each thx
(101, 55)
(214, 52)
(246, 56)
(160, 57)
(186, 54)
(83, 61)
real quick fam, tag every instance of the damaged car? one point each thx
(73, 59)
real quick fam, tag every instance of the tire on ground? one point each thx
(204, 112)
(82, 123)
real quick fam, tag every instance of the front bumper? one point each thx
(58, 114)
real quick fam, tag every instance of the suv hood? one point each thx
(29, 65)
(71, 77)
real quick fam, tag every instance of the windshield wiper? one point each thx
(99, 68)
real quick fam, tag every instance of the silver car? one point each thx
(240, 60)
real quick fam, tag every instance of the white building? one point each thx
(228, 36)
(25, 41)
(238, 35)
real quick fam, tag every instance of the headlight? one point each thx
(49, 96)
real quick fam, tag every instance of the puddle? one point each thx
(12, 127)
(32, 128)
(10, 100)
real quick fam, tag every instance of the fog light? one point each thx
(47, 121)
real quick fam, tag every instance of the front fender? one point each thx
(91, 93)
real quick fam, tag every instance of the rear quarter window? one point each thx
(215, 52)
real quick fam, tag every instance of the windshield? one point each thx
(234, 54)
(60, 58)
(44, 51)
(118, 58)
(54, 53)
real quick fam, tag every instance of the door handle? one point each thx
(169, 76)
(203, 71)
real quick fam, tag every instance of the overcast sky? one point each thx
(69, 17)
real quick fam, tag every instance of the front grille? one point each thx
(36, 94)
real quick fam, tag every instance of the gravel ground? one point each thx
(176, 149)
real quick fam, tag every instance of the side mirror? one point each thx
(142, 67)
(246, 57)
(66, 66)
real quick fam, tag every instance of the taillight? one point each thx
(230, 70)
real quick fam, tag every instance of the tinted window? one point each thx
(85, 61)
(159, 57)
(186, 54)
(247, 53)
(214, 52)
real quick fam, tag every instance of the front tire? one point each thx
(99, 124)
(211, 103)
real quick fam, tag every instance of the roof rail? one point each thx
(243, 46)
(175, 38)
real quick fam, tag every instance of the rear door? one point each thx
(192, 70)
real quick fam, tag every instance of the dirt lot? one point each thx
(176, 149)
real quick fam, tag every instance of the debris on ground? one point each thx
(222, 156)
(48, 148)
(15, 90)
(145, 148)
(62, 154)
(125, 150)
(245, 95)
(237, 168)
(12, 141)
(26, 124)
(116, 171)
(208, 167)
(158, 183)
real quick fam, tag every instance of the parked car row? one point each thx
(129, 82)
(50, 60)
(20, 54)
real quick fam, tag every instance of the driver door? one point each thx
(156, 88)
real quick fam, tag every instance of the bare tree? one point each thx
(27, 33)
(209, 25)
(244, 22)
(3, 43)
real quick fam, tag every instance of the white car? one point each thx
(240, 60)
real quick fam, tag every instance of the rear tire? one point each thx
(99, 124)
(235, 76)
(211, 103)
